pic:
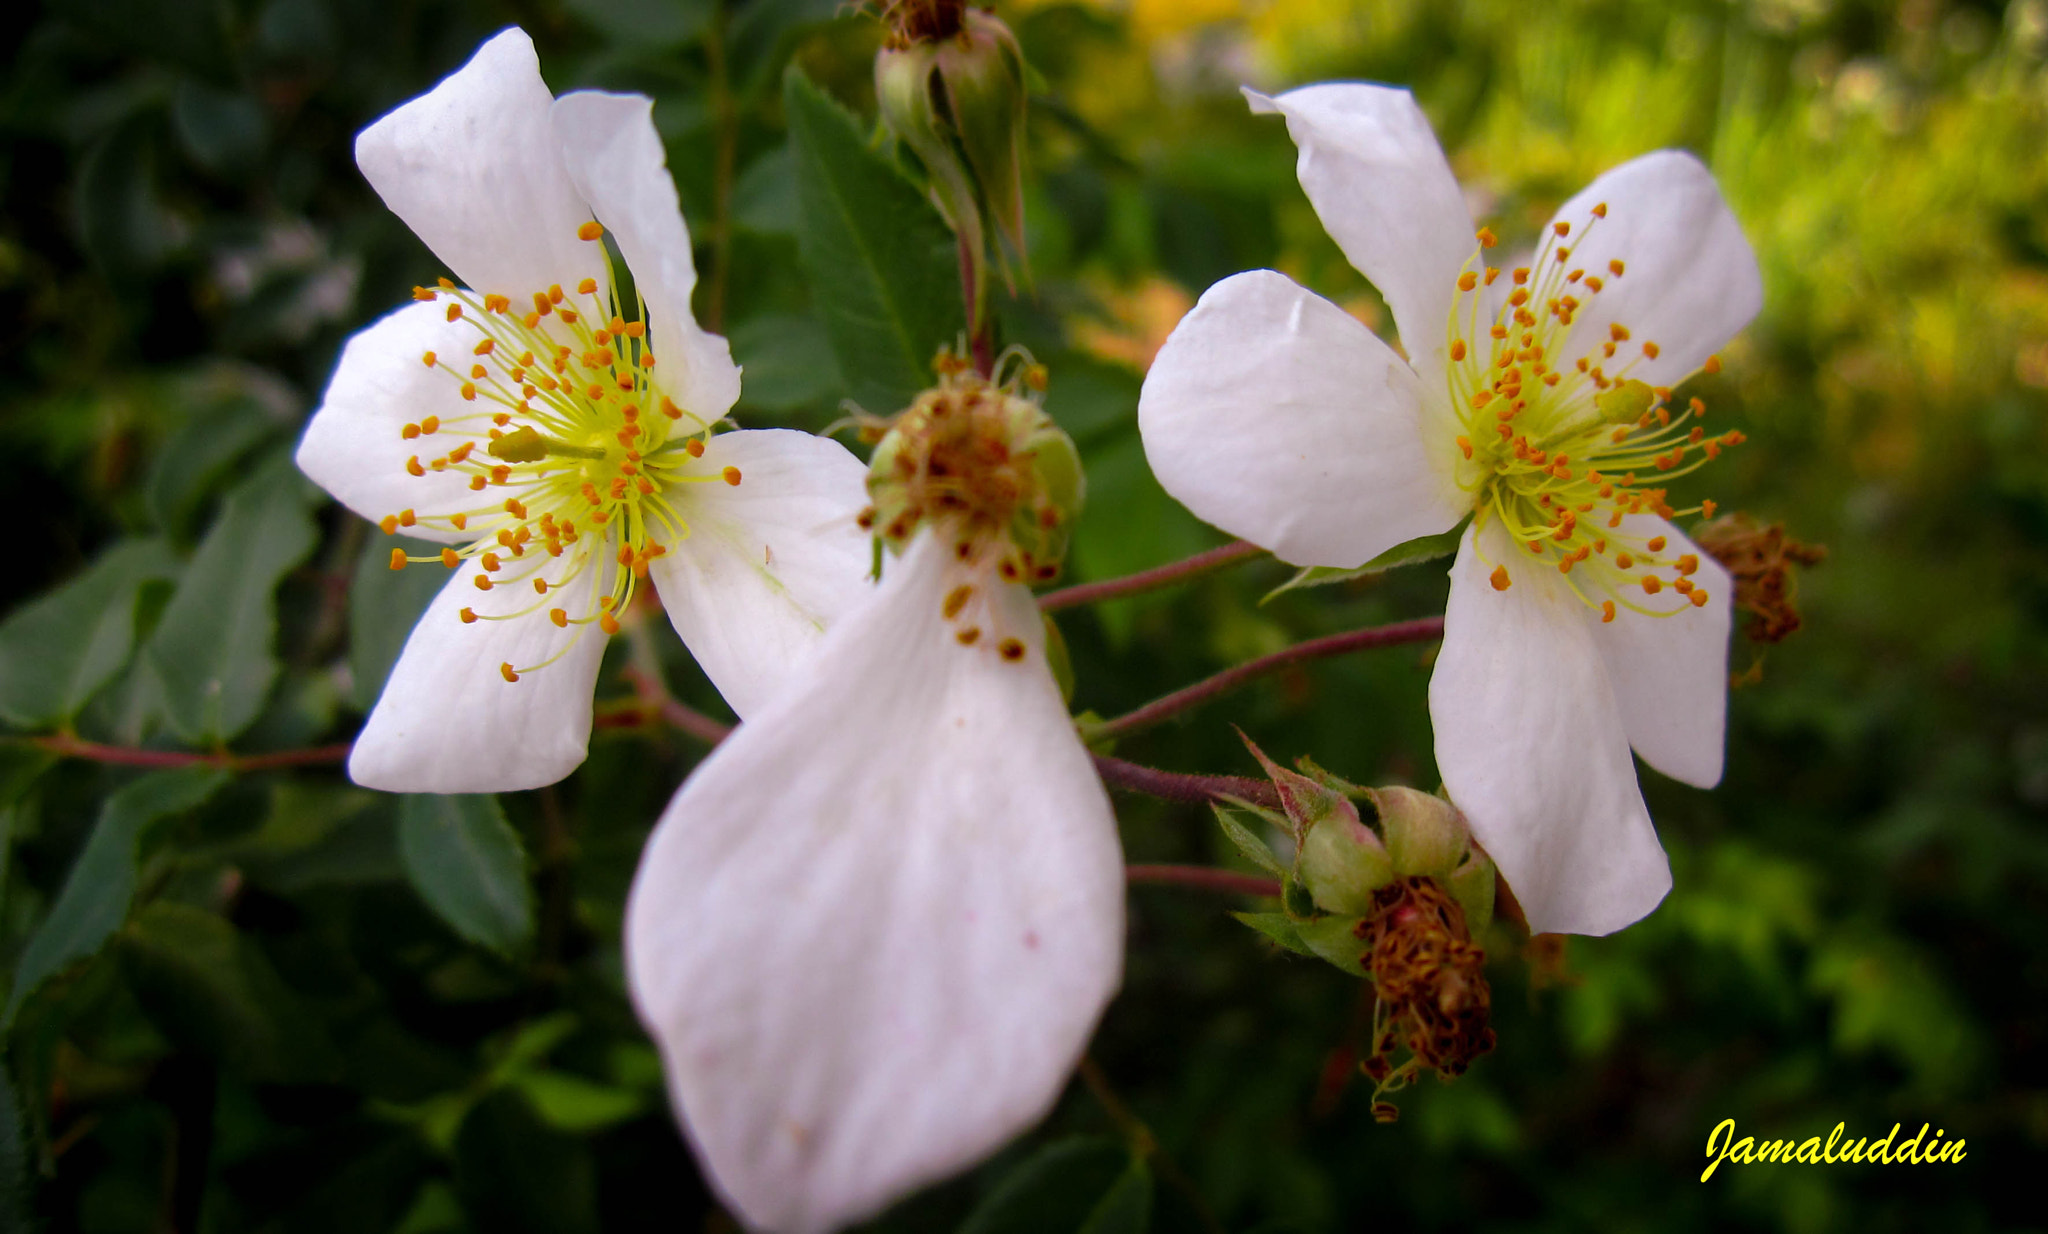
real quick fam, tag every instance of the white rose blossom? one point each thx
(875, 929)
(520, 419)
(1581, 622)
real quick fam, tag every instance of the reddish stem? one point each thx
(977, 327)
(1425, 629)
(655, 696)
(1181, 786)
(130, 756)
(1204, 878)
(1146, 580)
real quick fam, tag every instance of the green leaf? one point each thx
(1406, 553)
(468, 865)
(1059, 1188)
(578, 1106)
(1248, 842)
(1127, 1209)
(1279, 927)
(212, 648)
(101, 884)
(221, 431)
(383, 606)
(882, 265)
(789, 362)
(210, 989)
(58, 650)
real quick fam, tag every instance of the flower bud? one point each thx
(1343, 863)
(950, 84)
(1424, 833)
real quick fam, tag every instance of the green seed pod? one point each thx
(1425, 834)
(1343, 863)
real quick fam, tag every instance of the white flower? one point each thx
(1580, 622)
(521, 419)
(875, 929)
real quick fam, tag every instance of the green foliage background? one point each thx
(267, 1000)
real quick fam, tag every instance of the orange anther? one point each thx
(1521, 275)
(483, 582)
(1652, 584)
(491, 562)
(731, 474)
(1623, 561)
(1593, 281)
(469, 391)
(1467, 281)
(1561, 228)
(1499, 578)
(450, 558)
(1465, 444)
(427, 358)
(1487, 239)
(1650, 350)
(454, 311)
(1616, 266)
(505, 671)
(422, 294)
(1656, 544)
(587, 286)
(1457, 350)
(412, 466)
(589, 231)
(468, 616)
(461, 521)
(1699, 597)
(398, 559)
(389, 523)
(1707, 508)
(608, 623)
(1606, 610)
(559, 616)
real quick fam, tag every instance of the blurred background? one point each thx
(259, 999)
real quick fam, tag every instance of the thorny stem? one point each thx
(1143, 1142)
(1148, 580)
(1204, 878)
(130, 756)
(1182, 786)
(1421, 630)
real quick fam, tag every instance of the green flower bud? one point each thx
(1343, 863)
(950, 84)
(1425, 834)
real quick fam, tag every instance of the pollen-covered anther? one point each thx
(1010, 649)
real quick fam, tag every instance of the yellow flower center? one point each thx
(572, 452)
(1559, 442)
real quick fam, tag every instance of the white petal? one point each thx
(1670, 674)
(1530, 745)
(448, 722)
(1275, 415)
(769, 562)
(1372, 168)
(474, 168)
(1690, 279)
(354, 447)
(616, 160)
(875, 929)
